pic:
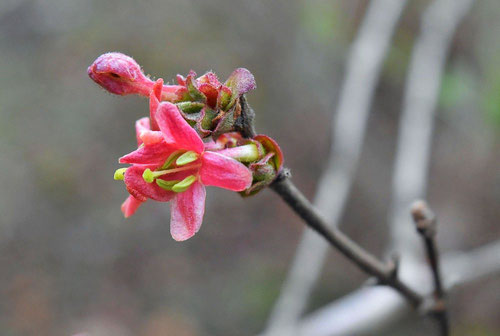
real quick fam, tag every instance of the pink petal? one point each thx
(187, 212)
(154, 101)
(176, 130)
(142, 190)
(152, 154)
(141, 126)
(130, 206)
(151, 137)
(212, 145)
(223, 172)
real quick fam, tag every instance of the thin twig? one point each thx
(385, 273)
(425, 222)
(334, 319)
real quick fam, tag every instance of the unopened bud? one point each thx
(119, 74)
(122, 75)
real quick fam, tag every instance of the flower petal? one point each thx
(141, 125)
(151, 154)
(154, 101)
(176, 131)
(151, 137)
(142, 190)
(223, 172)
(187, 212)
(130, 206)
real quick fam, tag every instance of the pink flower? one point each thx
(172, 164)
(121, 75)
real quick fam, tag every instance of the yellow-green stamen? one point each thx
(149, 176)
(120, 174)
(171, 159)
(186, 158)
(184, 184)
(167, 185)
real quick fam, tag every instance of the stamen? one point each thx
(167, 185)
(149, 176)
(120, 174)
(171, 159)
(186, 158)
(184, 184)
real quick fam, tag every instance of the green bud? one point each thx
(148, 176)
(186, 158)
(184, 184)
(120, 174)
(167, 185)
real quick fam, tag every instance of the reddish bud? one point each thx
(119, 74)
(122, 75)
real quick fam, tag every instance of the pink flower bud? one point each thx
(119, 74)
(122, 75)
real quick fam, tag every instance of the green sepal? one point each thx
(167, 185)
(208, 117)
(194, 92)
(225, 123)
(224, 98)
(184, 184)
(186, 158)
(190, 107)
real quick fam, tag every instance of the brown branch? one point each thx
(385, 273)
(425, 222)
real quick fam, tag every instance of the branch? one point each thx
(376, 307)
(386, 274)
(337, 318)
(425, 222)
(348, 128)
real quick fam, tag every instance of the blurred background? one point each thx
(70, 262)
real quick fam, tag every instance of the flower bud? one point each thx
(119, 74)
(212, 107)
(122, 75)
(267, 168)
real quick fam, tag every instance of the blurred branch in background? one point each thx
(367, 308)
(351, 315)
(348, 127)
(426, 225)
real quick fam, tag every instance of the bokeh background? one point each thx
(70, 263)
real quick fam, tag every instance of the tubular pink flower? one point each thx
(172, 165)
(122, 75)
